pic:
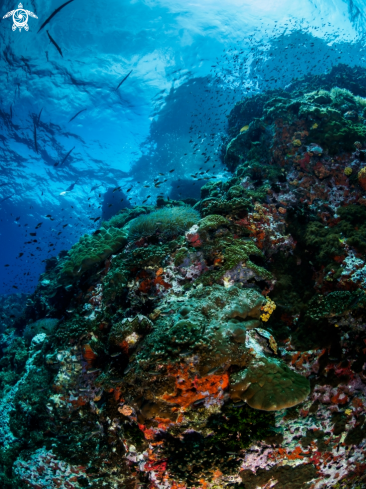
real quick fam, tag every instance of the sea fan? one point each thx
(167, 222)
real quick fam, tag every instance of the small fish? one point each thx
(53, 14)
(39, 116)
(67, 155)
(198, 402)
(154, 373)
(114, 355)
(116, 381)
(184, 353)
(93, 434)
(54, 43)
(95, 370)
(244, 129)
(238, 404)
(171, 171)
(213, 370)
(124, 79)
(68, 189)
(72, 118)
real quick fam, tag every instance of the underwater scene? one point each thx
(183, 244)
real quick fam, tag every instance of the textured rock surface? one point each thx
(226, 352)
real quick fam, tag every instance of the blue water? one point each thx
(189, 62)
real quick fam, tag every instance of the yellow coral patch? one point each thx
(348, 171)
(267, 309)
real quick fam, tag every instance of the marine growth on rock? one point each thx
(220, 345)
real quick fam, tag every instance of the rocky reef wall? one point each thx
(222, 345)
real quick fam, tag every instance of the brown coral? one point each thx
(270, 385)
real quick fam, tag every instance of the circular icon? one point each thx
(20, 19)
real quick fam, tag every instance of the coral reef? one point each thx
(91, 250)
(209, 347)
(166, 222)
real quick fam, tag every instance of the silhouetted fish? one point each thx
(67, 155)
(54, 43)
(80, 111)
(53, 14)
(124, 79)
(6, 198)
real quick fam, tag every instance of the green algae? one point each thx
(192, 455)
(92, 250)
(168, 222)
(224, 207)
(180, 256)
(238, 427)
(328, 116)
(234, 252)
(73, 328)
(126, 215)
(328, 242)
(335, 303)
(119, 273)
